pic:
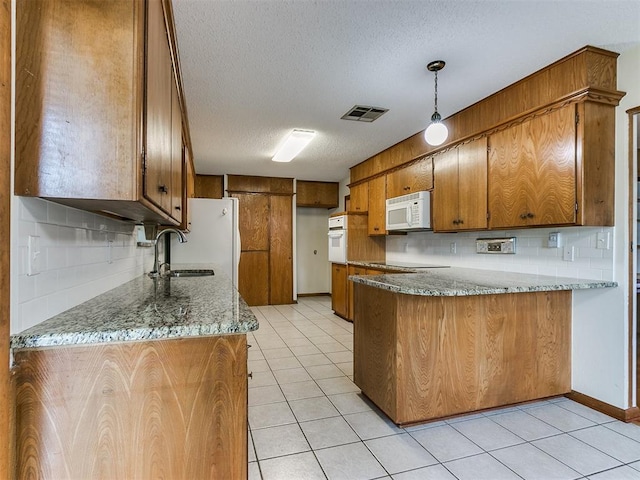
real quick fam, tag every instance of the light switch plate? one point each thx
(568, 254)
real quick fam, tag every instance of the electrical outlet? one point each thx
(452, 247)
(568, 254)
(602, 240)
(554, 240)
(33, 255)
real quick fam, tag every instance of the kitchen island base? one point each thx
(174, 408)
(424, 357)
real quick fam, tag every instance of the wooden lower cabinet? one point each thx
(339, 290)
(420, 358)
(172, 408)
(353, 271)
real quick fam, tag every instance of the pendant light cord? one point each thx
(436, 92)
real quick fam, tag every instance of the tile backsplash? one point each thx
(532, 254)
(81, 255)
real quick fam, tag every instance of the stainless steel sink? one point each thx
(191, 273)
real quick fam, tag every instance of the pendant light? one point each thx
(436, 133)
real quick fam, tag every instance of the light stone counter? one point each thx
(456, 281)
(148, 309)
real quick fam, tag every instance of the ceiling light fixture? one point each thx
(293, 145)
(436, 133)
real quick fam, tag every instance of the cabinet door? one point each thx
(281, 250)
(253, 277)
(253, 221)
(415, 178)
(532, 172)
(359, 198)
(316, 194)
(353, 271)
(377, 206)
(472, 185)
(339, 290)
(158, 119)
(445, 193)
(177, 180)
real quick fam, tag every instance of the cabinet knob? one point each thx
(530, 215)
(250, 374)
(460, 221)
(455, 222)
(523, 216)
(163, 189)
(376, 228)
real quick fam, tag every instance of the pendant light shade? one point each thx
(436, 133)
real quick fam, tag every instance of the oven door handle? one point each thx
(335, 234)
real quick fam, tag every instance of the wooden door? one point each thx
(339, 289)
(377, 206)
(415, 178)
(253, 277)
(281, 250)
(472, 185)
(359, 198)
(445, 194)
(253, 271)
(177, 180)
(158, 119)
(532, 172)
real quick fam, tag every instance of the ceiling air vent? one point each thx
(363, 113)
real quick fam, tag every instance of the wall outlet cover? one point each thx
(568, 254)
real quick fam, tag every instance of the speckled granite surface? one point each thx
(148, 309)
(456, 281)
(405, 267)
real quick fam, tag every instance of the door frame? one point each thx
(5, 238)
(634, 373)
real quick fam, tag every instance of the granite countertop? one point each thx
(397, 266)
(456, 281)
(148, 309)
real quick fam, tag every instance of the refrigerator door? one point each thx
(214, 236)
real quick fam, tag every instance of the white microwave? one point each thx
(409, 212)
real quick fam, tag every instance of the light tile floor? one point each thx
(308, 420)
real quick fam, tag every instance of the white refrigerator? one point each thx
(214, 236)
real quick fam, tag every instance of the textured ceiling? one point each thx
(254, 70)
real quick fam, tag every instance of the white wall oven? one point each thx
(338, 239)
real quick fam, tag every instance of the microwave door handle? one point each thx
(409, 215)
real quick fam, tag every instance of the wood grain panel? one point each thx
(316, 194)
(247, 183)
(158, 115)
(472, 185)
(359, 198)
(6, 397)
(163, 409)
(253, 217)
(360, 246)
(377, 207)
(532, 172)
(281, 250)
(339, 290)
(420, 358)
(445, 208)
(72, 68)
(177, 179)
(352, 271)
(253, 277)
(575, 75)
(209, 186)
(415, 177)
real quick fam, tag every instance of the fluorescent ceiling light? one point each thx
(293, 145)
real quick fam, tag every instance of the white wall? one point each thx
(82, 255)
(600, 325)
(313, 268)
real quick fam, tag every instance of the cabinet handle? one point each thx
(250, 375)
(530, 215)
(460, 221)
(163, 189)
(455, 222)
(523, 216)
(376, 228)
(178, 208)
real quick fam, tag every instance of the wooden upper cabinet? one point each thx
(177, 147)
(377, 206)
(83, 126)
(209, 186)
(416, 177)
(532, 172)
(359, 198)
(460, 191)
(248, 183)
(316, 194)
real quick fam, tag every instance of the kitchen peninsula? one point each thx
(447, 341)
(148, 380)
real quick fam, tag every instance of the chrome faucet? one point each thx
(181, 238)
